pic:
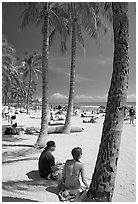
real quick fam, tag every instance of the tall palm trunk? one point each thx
(45, 52)
(66, 128)
(103, 179)
(28, 94)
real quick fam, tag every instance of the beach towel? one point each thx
(71, 195)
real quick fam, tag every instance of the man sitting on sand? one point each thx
(73, 169)
(47, 168)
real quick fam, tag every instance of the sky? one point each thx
(93, 69)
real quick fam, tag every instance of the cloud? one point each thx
(58, 96)
(102, 97)
(105, 60)
(81, 78)
(131, 96)
(83, 97)
(64, 70)
(94, 98)
(101, 61)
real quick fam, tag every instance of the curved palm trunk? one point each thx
(66, 128)
(103, 179)
(45, 52)
(28, 94)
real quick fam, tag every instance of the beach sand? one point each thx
(21, 181)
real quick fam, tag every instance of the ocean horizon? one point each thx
(91, 104)
(101, 103)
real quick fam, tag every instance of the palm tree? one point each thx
(47, 14)
(80, 15)
(31, 66)
(10, 77)
(103, 179)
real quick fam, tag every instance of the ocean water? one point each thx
(93, 105)
(88, 104)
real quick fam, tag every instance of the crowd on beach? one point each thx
(70, 187)
(58, 113)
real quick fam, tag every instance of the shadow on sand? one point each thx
(52, 185)
(34, 184)
(53, 189)
(34, 175)
(12, 199)
(26, 152)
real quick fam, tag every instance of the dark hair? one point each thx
(14, 125)
(76, 153)
(50, 144)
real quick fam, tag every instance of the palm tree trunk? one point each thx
(45, 52)
(103, 179)
(28, 94)
(66, 128)
(18, 101)
(5, 99)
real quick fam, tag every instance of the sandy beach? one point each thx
(62, 59)
(21, 181)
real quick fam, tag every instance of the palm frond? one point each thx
(25, 74)
(36, 75)
(31, 15)
(79, 34)
(106, 10)
(52, 37)
(60, 27)
(63, 46)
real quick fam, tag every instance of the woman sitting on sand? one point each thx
(72, 172)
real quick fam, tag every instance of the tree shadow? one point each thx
(10, 138)
(13, 199)
(18, 160)
(12, 155)
(20, 186)
(32, 185)
(36, 178)
(52, 185)
(17, 145)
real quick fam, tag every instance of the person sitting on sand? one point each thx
(12, 130)
(46, 164)
(73, 170)
(92, 120)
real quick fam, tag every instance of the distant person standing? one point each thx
(5, 112)
(11, 115)
(131, 115)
